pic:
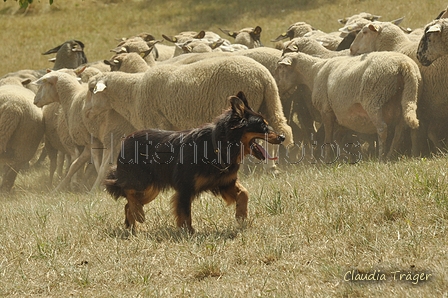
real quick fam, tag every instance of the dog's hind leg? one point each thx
(182, 210)
(236, 193)
(134, 207)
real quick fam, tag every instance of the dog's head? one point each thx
(254, 126)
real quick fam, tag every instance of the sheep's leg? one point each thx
(134, 208)
(182, 210)
(328, 120)
(60, 163)
(398, 138)
(102, 170)
(9, 177)
(96, 147)
(237, 194)
(381, 129)
(53, 156)
(82, 159)
(434, 136)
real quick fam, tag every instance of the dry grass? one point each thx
(307, 227)
(99, 23)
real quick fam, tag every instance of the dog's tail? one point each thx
(111, 184)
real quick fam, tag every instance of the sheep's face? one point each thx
(96, 99)
(434, 42)
(286, 76)
(365, 40)
(47, 92)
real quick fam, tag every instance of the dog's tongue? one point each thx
(264, 152)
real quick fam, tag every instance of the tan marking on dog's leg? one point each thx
(134, 208)
(238, 194)
(182, 211)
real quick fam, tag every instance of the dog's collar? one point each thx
(221, 166)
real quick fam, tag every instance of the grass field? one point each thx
(313, 231)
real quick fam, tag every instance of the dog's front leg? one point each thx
(182, 210)
(238, 194)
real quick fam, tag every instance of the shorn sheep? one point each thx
(178, 97)
(128, 62)
(58, 86)
(250, 37)
(434, 42)
(433, 104)
(21, 131)
(369, 94)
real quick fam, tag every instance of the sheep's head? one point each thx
(434, 42)
(286, 76)
(295, 30)
(70, 54)
(96, 99)
(200, 45)
(47, 92)
(249, 37)
(365, 40)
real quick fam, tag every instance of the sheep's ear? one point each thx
(79, 70)
(280, 37)
(229, 33)
(52, 79)
(257, 30)
(170, 38)
(26, 82)
(374, 27)
(237, 106)
(397, 21)
(216, 44)
(434, 28)
(52, 51)
(120, 50)
(286, 61)
(200, 35)
(343, 21)
(99, 87)
(187, 49)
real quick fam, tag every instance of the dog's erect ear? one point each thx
(237, 106)
(242, 96)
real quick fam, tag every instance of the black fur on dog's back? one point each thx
(206, 158)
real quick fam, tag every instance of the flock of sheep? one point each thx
(315, 83)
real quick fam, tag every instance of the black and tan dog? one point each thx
(192, 161)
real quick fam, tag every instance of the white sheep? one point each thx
(302, 29)
(21, 131)
(434, 42)
(250, 37)
(62, 87)
(57, 139)
(111, 128)
(368, 94)
(140, 46)
(183, 96)
(268, 57)
(312, 47)
(433, 104)
(183, 38)
(128, 62)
